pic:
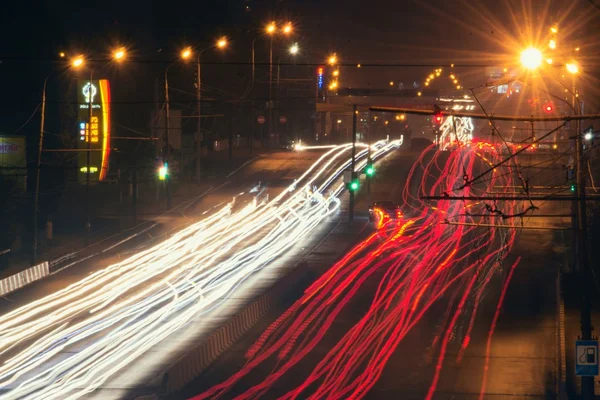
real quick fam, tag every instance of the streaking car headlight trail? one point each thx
(416, 261)
(118, 313)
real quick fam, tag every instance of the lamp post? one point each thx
(531, 59)
(221, 44)
(271, 30)
(167, 154)
(37, 173)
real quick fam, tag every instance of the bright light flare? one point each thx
(186, 53)
(572, 67)
(531, 58)
(78, 62)
(271, 28)
(294, 49)
(119, 54)
(288, 28)
(222, 43)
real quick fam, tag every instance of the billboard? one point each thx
(93, 128)
(13, 161)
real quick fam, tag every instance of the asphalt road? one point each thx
(523, 352)
(276, 173)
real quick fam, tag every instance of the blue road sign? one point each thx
(586, 357)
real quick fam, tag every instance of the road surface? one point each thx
(491, 333)
(116, 327)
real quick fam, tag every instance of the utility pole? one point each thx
(168, 152)
(369, 157)
(37, 174)
(88, 223)
(199, 129)
(270, 129)
(587, 382)
(351, 205)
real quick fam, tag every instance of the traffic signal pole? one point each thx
(351, 197)
(369, 158)
(587, 382)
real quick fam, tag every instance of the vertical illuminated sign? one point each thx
(320, 72)
(95, 130)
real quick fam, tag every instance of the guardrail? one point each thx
(23, 278)
(190, 366)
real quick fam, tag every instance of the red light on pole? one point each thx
(437, 115)
(548, 108)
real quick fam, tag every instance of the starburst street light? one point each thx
(288, 28)
(119, 54)
(77, 62)
(531, 58)
(271, 28)
(572, 67)
(186, 53)
(222, 43)
(332, 59)
(294, 49)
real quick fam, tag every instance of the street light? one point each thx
(77, 62)
(271, 28)
(572, 67)
(288, 28)
(294, 49)
(332, 59)
(119, 54)
(220, 44)
(531, 58)
(186, 53)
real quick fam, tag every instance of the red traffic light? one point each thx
(437, 115)
(548, 108)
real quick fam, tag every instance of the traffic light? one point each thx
(370, 169)
(438, 118)
(573, 187)
(548, 108)
(354, 185)
(163, 172)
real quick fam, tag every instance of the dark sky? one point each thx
(375, 31)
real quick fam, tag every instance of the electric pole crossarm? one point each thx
(511, 198)
(531, 118)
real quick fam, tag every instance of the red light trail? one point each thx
(416, 260)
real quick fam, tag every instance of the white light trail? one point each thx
(451, 135)
(118, 313)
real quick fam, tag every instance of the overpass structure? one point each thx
(334, 112)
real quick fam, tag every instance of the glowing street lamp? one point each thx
(294, 49)
(271, 28)
(186, 53)
(62, 54)
(552, 44)
(572, 67)
(119, 54)
(288, 28)
(222, 43)
(77, 62)
(531, 58)
(332, 59)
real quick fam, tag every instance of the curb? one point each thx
(561, 359)
(193, 364)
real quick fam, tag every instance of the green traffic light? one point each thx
(163, 172)
(354, 185)
(572, 187)
(370, 171)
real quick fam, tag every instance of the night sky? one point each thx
(376, 31)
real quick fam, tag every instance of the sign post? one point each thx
(586, 357)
